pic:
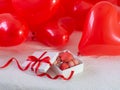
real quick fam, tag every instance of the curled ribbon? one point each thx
(35, 60)
(19, 66)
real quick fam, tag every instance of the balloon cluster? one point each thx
(53, 21)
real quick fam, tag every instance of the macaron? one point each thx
(64, 66)
(66, 56)
(76, 62)
(71, 63)
(58, 61)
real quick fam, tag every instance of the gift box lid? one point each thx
(51, 54)
(40, 55)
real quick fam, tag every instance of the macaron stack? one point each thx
(66, 60)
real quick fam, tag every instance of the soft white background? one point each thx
(100, 73)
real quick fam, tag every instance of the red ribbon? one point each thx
(38, 61)
(35, 60)
(19, 66)
(57, 76)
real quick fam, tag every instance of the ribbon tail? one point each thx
(18, 65)
(7, 63)
(64, 78)
(57, 76)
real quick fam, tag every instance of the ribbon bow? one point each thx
(38, 61)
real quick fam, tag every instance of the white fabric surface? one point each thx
(100, 73)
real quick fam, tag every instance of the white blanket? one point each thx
(100, 73)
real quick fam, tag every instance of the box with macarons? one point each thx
(67, 62)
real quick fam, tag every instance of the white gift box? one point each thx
(77, 68)
(43, 66)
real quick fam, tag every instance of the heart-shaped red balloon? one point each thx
(79, 12)
(6, 6)
(53, 34)
(95, 1)
(35, 12)
(13, 30)
(101, 35)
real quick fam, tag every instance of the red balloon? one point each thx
(52, 34)
(118, 2)
(68, 23)
(79, 13)
(12, 30)
(101, 35)
(59, 13)
(35, 12)
(6, 6)
(68, 6)
(96, 1)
